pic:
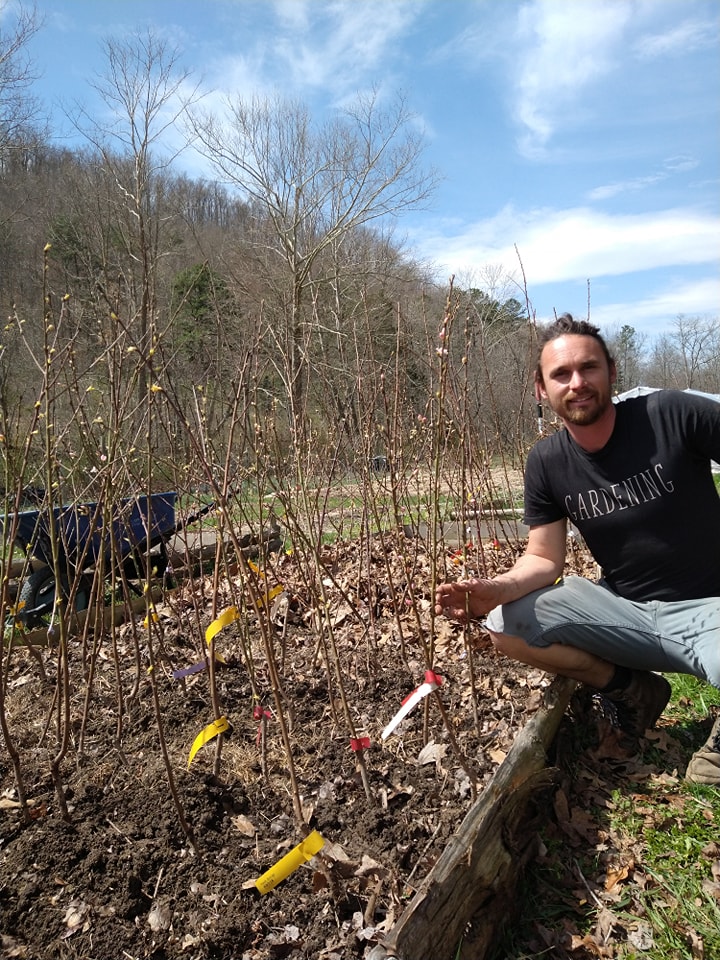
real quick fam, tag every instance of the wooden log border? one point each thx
(110, 616)
(477, 873)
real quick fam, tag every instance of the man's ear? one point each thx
(539, 388)
(613, 372)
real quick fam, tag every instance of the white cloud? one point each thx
(305, 47)
(678, 164)
(689, 299)
(682, 39)
(560, 49)
(609, 190)
(233, 76)
(576, 244)
(293, 14)
(336, 45)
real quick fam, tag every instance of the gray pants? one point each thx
(678, 637)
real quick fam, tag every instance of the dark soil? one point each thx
(121, 877)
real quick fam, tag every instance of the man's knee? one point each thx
(712, 672)
(514, 648)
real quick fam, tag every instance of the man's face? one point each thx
(576, 379)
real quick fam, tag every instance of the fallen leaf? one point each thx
(696, 945)
(712, 888)
(641, 937)
(75, 914)
(368, 866)
(190, 940)
(242, 823)
(76, 918)
(587, 943)
(617, 874)
(160, 917)
(319, 881)
(333, 851)
(432, 753)
(11, 948)
(606, 922)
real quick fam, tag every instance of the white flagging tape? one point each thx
(432, 682)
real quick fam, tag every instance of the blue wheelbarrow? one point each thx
(84, 535)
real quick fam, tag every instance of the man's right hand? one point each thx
(540, 565)
(467, 600)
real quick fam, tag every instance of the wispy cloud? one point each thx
(680, 163)
(682, 39)
(687, 299)
(576, 244)
(609, 190)
(310, 49)
(671, 166)
(561, 49)
(338, 45)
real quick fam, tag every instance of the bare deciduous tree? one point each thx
(698, 343)
(146, 92)
(18, 108)
(314, 185)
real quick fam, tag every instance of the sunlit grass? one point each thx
(677, 898)
(664, 830)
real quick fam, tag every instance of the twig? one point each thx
(422, 854)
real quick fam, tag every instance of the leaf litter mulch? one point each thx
(120, 878)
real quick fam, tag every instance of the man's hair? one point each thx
(567, 324)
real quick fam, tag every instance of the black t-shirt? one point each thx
(646, 503)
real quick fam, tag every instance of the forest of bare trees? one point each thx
(267, 299)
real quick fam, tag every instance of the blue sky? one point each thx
(581, 135)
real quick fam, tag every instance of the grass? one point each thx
(674, 900)
(648, 886)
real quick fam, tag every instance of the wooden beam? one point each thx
(111, 616)
(477, 872)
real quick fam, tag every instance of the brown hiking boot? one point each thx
(638, 706)
(704, 766)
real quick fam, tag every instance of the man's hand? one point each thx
(540, 565)
(467, 599)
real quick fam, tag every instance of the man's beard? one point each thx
(584, 416)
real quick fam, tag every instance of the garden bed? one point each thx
(122, 878)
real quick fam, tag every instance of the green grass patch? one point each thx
(674, 894)
(691, 699)
(646, 884)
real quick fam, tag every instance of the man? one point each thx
(635, 478)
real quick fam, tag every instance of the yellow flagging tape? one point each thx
(210, 731)
(270, 595)
(304, 851)
(226, 617)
